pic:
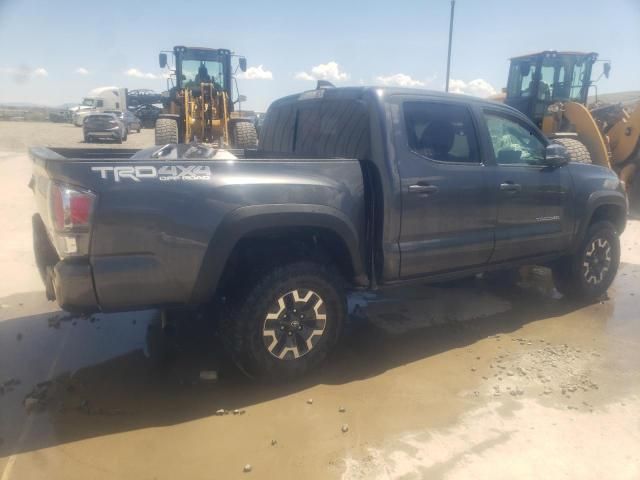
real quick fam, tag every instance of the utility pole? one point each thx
(453, 6)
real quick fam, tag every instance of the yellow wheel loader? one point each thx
(198, 106)
(552, 88)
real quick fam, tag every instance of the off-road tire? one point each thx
(243, 135)
(166, 131)
(87, 139)
(577, 150)
(576, 276)
(256, 320)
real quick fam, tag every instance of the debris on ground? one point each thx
(345, 428)
(239, 411)
(221, 412)
(310, 401)
(342, 409)
(274, 443)
(247, 468)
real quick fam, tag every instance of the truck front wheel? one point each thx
(590, 271)
(288, 322)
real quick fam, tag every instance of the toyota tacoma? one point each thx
(351, 188)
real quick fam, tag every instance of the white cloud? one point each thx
(23, 73)
(400, 80)
(257, 73)
(324, 71)
(82, 71)
(478, 87)
(134, 72)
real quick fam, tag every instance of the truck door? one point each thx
(448, 214)
(534, 216)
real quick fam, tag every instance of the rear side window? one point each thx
(318, 128)
(442, 132)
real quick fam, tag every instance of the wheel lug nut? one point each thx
(299, 327)
(290, 333)
(281, 327)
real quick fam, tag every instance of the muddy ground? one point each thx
(464, 380)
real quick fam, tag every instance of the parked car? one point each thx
(354, 188)
(131, 122)
(104, 126)
(148, 114)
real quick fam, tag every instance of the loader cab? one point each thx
(202, 65)
(541, 79)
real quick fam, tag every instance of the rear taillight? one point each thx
(71, 208)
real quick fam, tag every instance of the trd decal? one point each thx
(166, 173)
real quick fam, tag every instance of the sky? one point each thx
(54, 52)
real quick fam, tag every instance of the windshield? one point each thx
(88, 102)
(563, 78)
(195, 72)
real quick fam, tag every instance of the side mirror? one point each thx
(162, 60)
(606, 69)
(242, 61)
(241, 98)
(556, 155)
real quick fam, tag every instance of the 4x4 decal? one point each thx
(166, 173)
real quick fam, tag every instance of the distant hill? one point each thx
(625, 98)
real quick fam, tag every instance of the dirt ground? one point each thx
(18, 136)
(454, 381)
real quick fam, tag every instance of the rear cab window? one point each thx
(317, 127)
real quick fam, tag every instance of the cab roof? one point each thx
(556, 53)
(359, 92)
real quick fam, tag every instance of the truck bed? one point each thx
(164, 222)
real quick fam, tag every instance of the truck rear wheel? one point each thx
(288, 322)
(590, 271)
(166, 131)
(577, 150)
(243, 135)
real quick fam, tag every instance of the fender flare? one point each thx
(598, 199)
(245, 220)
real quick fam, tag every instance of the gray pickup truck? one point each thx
(352, 188)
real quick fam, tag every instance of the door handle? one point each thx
(423, 189)
(510, 187)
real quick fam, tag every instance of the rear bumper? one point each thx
(109, 134)
(72, 286)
